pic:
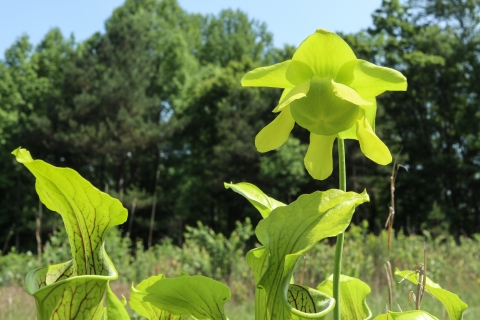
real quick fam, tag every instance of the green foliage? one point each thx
(288, 231)
(452, 303)
(74, 288)
(165, 298)
(285, 167)
(132, 100)
(353, 294)
(365, 254)
(435, 46)
(14, 266)
(407, 315)
(115, 309)
(222, 253)
(159, 92)
(147, 309)
(456, 264)
(160, 89)
(263, 203)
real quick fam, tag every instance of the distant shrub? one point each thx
(205, 252)
(457, 264)
(14, 266)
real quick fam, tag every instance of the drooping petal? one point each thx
(348, 94)
(371, 146)
(276, 132)
(325, 52)
(370, 113)
(322, 112)
(274, 76)
(285, 92)
(369, 79)
(296, 93)
(319, 159)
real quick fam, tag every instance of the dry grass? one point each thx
(16, 304)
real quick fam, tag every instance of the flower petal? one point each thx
(285, 92)
(299, 71)
(296, 93)
(370, 113)
(371, 146)
(348, 94)
(274, 76)
(276, 132)
(369, 79)
(319, 160)
(325, 52)
(322, 112)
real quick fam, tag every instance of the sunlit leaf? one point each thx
(199, 297)
(353, 295)
(74, 289)
(406, 315)
(257, 260)
(263, 203)
(307, 302)
(115, 308)
(87, 212)
(290, 231)
(301, 298)
(452, 302)
(60, 295)
(145, 308)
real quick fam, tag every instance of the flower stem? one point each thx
(337, 264)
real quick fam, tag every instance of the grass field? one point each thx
(454, 264)
(16, 304)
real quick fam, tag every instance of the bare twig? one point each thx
(154, 206)
(391, 208)
(422, 278)
(421, 270)
(389, 226)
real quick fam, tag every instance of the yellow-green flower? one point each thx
(329, 92)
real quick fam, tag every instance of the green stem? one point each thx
(337, 264)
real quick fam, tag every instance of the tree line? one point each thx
(152, 112)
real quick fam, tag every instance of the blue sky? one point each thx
(289, 21)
